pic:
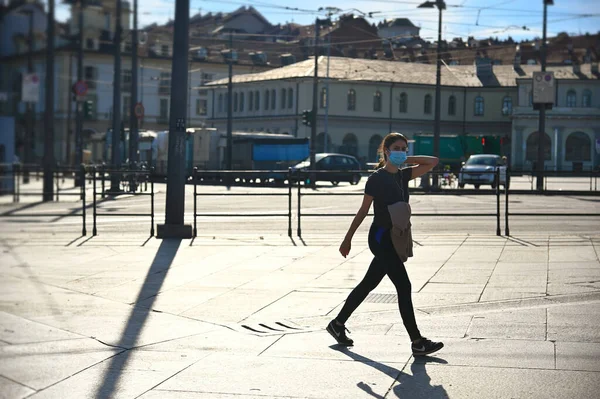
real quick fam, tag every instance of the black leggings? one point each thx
(386, 261)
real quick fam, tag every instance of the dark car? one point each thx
(333, 168)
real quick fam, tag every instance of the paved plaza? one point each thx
(241, 312)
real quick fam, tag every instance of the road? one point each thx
(446, 211)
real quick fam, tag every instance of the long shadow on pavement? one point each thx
(139, 315)
(417, 385)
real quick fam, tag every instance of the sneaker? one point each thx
(425, 347)
(339, 333)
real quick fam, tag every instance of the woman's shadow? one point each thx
(417, 385)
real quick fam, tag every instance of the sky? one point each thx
(462, 18)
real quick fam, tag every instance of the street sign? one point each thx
(30, 90)
(80, 88)
(139, 110)
(544, 89)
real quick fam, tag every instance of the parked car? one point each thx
(342, 168)
(481, 170)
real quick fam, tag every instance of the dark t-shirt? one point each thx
(387, 188)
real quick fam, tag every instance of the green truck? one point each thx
(455, 149)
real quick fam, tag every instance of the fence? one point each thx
(228, 176)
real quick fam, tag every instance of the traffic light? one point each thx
(88, 111)
(307, 117)
(483, 141)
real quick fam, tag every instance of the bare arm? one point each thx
(358, 219)
(423, 164)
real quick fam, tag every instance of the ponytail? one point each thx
(385, 144)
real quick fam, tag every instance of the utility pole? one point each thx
(326, 138)
(313, 126)
(79, 103)
(49, 115)
(229, 154)
(115, 179)
(542, 120)
(174, 226)
(30, 120)
(133, 120)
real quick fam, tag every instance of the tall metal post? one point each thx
(116, 122)
(438, 97)
(30, 120)
(542, 120)
(49, 104)
(326, 138)
(133, 120)
(79, 104)
(176, 176)
(229, 154)
(313, 126)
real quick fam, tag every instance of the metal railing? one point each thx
(228, 176)
(305, 175)
(124, 175)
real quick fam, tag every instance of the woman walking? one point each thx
(386, 186)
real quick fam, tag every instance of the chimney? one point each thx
(576, 68)
(517, 60)
(483, 66)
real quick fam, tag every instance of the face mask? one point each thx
(397, 158)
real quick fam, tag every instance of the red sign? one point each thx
(139, 110)
(80, 88)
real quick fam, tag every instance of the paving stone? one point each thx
(437, 327)
(11, 390)
(578, 356)
(17, 330)
(573, 254)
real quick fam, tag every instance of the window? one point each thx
(267, 99)
(290, 98)
(207, 78)
(377, 101)
(351, 100)
(126, 81)
(349, 145)
(202, 92)
(507, 106)
(427, 104)
(220, 103)
(90, 44)
(257, 100)
(323, 98)
(586, 99)
(164, 50)
(164, 110)
(126, 107)
(107, 21)
(452, 105)
(251, 101)
(571, 98)
(235, 102)
(579, 147)
(403, 103)
(201, 106)
(242, 102)
(532, 146)
(164, 85)
(531, 99)
(479, 106)
(283, 98)
(90, 75)
(273, 99)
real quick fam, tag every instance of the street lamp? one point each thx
(29, 110)
(542, 121)
(440, 5)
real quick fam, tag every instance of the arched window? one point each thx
(257, 100)
(532, 146)
(452, 105)
(290, 101)
(374, 143)
(322, 145)
(351, 100)
(283, 98)
(349, 145)
(427, 105)
(235, 102)
(273, 99)
(586, 99)
(220, 103)
(579, 147)
(377, 101)
(323, 98)
(507, 106)
(267, 99)
(571, 98)
(531, 99)
(242, 100)
(403, 103)
(479, 106)
(251, 101)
